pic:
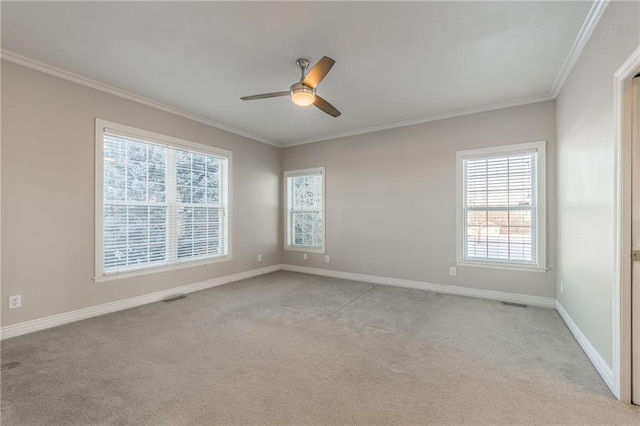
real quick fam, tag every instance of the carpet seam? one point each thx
(350, 302)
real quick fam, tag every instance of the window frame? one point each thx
(287, 213)
(540, 209)
(169, 142)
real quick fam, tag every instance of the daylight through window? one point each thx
(305, 209)
(162, 203)
(501, 196)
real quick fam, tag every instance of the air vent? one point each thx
(173, 298)
(517, 305)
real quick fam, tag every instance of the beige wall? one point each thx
(398, 183)
(390, 198)
(48, 195)
(586, 176)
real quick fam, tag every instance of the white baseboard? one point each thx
(598, 362)
(55, 320)
(545, 302)
(93, 311)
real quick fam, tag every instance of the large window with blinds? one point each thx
(304, 213)
(161, 202)
(501, 206)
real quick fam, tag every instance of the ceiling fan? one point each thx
(303, 93)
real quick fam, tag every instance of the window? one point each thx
(501, 214)
(305, 210)
(160, 201)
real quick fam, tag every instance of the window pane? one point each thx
(213, 188)
(521, 236)
(193, 239)
(198, 178)
(198, 162)
(200, 232)
(500, 235)
(183, 179)
(140, 192)
(129, 232)
(307, 229)
(158, 225)
(114, 180)
(307, 192)
(133, 171)
(506, 181)
(115, 237)
(198, 186)
(476, 234)
(499, 207)
(304, 209)
(183, 159)
(200, 228)
(213, 164)
(214, 232)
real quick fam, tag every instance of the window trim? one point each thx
(541, 211)
(287, 219)
(169, 141)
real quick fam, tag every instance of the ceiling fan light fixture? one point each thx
(303, 92)
(302, 95)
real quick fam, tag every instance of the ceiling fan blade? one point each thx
(326, 107)
(318, 72)
(266, 95)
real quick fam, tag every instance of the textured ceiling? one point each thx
(395, 61)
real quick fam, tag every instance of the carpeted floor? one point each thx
(288, 348)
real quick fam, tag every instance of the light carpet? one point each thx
(293, 349)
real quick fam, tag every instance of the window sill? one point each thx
(307, 249)
(507, 266)
(153, 270)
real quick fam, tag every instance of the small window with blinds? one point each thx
(161, 202)
(501, 198)
(304, 218)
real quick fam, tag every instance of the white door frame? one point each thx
(623, 101)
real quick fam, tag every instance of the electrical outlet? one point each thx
(259, 258)
(15, 301)
(452, 271)
(305, 256)
(326, 258)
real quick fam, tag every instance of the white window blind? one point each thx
(161, 204)
(500, 206)
(305, 209)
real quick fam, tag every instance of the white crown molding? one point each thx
(427, 119)
(596, 359)
(87, 82)
(596, 11)
(594, 15)
(629, 65)
(93, 311)
(544, 302)
(84, 81)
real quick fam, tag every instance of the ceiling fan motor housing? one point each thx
(302, 95)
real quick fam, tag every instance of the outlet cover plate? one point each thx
(15, 301)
